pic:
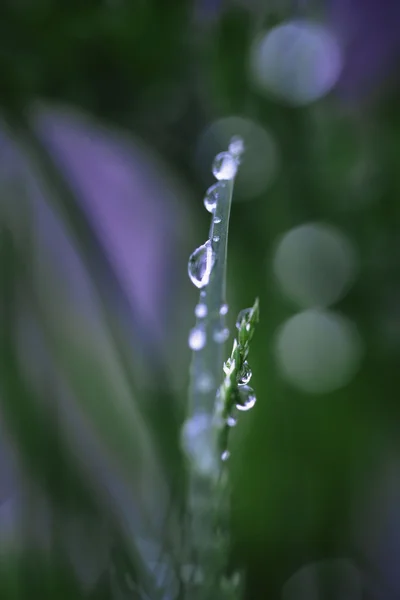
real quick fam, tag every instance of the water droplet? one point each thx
(231, 421)
(200, 265)
(211, 197)
(247, 398)
(221, 335)
(225, 455)
(197, 439)
(224, 166)
(216, 238)
(236, 146)
(245, 374)
(197, 338)
(205, 383)
(201, 310)
(244, 314)
(223, 310)
(217, 220)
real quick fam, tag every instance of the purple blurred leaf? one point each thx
(369, 33)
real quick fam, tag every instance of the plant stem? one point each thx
(210, 360)
(206, 479)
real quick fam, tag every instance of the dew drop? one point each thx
(197, 442)
(217, 220)
(211, 197)
(245, 374)
(223, 310)
(221, 335)
(200, 265)
(201, 310)
(197, 338)
(231, 421)
(244, 314)
(224, 166)
(216, 238)
(225, 455)
(205, 383)
(247, 398)
(236, 146)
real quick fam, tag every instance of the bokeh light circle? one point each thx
(298, 62)
(318, 351)
(314, 264)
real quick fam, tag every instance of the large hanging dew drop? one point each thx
(245, 374)
(197, 339)
(224, 166)
(247, 398)
(211, 197)
(244, 314)
(200, 265)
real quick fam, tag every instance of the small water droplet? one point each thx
(205, 383)
(216, 238)
(231, 421)
(201, 310)
(211, 197)
(247, 398)
(223, 310)
(245, 374)
(221, 335)
(217, 220)
(224, 166)
(200, 265)
(225, 455)
(197, 338)
(236, 146)
(198, 443)
(244, 314)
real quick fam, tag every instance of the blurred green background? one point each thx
(314, 234)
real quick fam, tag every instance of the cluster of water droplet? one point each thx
(197, 435)
(202, 260)
(246, 394)
(243, 395)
